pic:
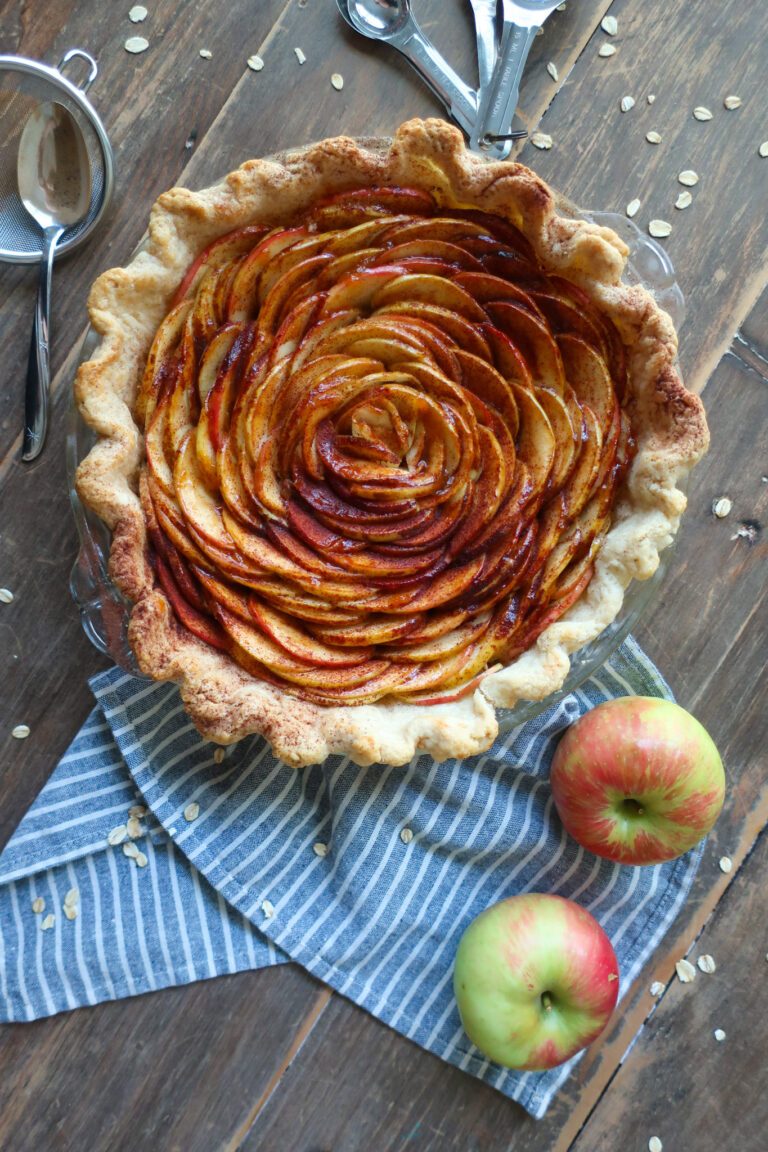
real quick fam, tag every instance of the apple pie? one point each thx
(382, 438)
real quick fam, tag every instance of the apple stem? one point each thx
(546, 1000)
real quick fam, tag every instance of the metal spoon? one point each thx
(484, 12)
(392, 22)
(521, 19)
(54, 176)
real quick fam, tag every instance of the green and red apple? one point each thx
(536, 980)
(637, 780)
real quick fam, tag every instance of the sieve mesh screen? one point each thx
(20, 94)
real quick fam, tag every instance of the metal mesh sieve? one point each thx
(24, 85)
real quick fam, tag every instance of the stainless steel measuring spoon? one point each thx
(521, 20)
(392, 22)
(484, 12)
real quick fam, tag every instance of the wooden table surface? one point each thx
(272, 1060)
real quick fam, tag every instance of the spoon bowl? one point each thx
(380, 18)
(54, 177)
(53, 167)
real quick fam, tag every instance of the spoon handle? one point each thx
(38, 366)
(484, 12)
(458, 98)
(502, 102)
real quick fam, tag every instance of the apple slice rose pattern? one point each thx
(382, 447)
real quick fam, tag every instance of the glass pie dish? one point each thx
(105, 612)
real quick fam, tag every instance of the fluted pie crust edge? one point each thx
(128, 304)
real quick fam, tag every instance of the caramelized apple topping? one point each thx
(382, 448)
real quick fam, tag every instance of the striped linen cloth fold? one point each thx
(367, 877)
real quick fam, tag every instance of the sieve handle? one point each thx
(93, 68)
(38, 366)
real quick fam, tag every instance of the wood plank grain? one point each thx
(705, 619)
(751, 341)
(175, 1070)
(672, 1085)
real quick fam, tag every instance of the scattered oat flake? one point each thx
(133, 828)
(255, 63)
(141, 860)
(137, 14)
(138, 811)
(49, 922)
(539, 31)
(763, 149)
(268, 909)
(38, 905)
(552, 69)
(719, 1034)
(337, 80)
(70, 911)
(706, 963)
(688, 177)
(130, 850)
(191, 812)
(610, 25)
(218, 755)
(726, 864)
(657, 988)
(732, 102)
(6, 596)
(633, 207)
(653, 137)
(206, 53)
(541, 140)
(702, 113)
(627, 102)
(655, 1145)
(117, 835)
(659, 229)
(136, 44)
(406, 835)
(607, 50)
(20, 732)
(650, 97)
(300, 55)
(686, 973)
(71, 898)
(721, 506)
(320, 849)
(561, 7)
(684, 200)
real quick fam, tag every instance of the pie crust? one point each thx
(127, 306)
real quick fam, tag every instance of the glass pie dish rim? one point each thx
(104, 611)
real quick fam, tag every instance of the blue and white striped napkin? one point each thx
(366, 877)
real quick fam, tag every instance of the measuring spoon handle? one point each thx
(500, 109)
(38, 366)
(459, 99)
